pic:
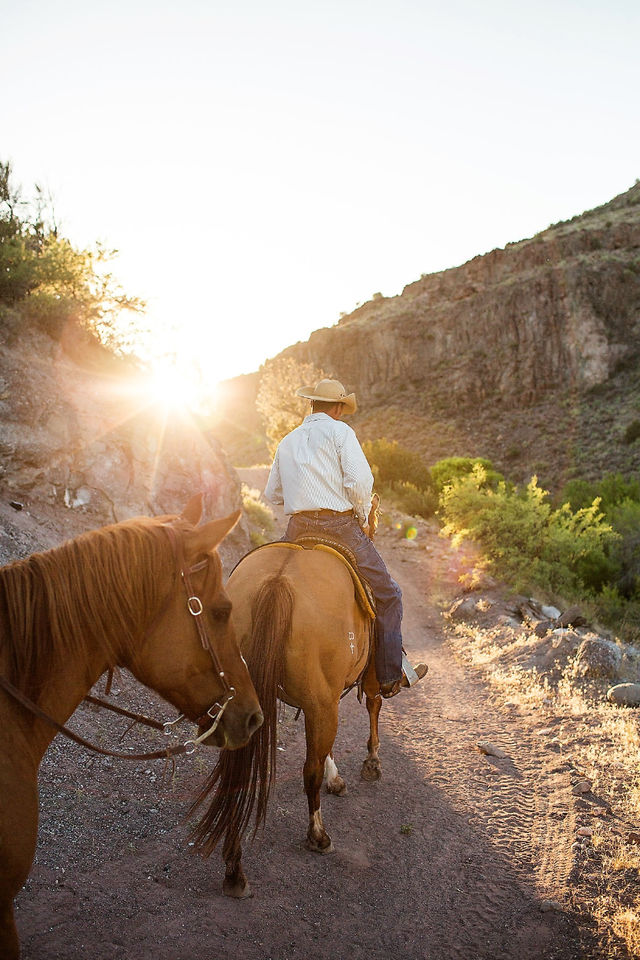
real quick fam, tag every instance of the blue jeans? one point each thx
(387, 593)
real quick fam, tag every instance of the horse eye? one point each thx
(221, 611)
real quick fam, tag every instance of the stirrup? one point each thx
(411, 675)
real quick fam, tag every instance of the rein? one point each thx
(195, 608)
(165, 754)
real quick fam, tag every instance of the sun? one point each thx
(171, 386)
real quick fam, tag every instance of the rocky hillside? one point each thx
(82, 445)
(528, 355)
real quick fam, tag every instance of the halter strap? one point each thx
(194, 603)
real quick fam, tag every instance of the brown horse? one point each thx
(111, 597)
(306, 639)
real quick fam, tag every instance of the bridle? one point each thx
(215, 711)
(196, 609)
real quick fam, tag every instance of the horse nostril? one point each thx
(254, 722)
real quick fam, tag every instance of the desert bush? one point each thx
(632, 433)
(259, 515)
(612, 490)
(625, 520)
(52, 282)
(392, 463)
(401, 477)
(453, 468)
(526, 539)
(281, 410)
(410, 499)
(619, 500)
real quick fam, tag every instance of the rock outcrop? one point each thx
(509, 326)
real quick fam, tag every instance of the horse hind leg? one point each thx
(335, 783)
(235, 883)
(320, 733)
(371, 768)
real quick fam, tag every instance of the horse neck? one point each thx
(66, 626)
(62, 692)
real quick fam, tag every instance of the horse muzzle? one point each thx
(229, 730)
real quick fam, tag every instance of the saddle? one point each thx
(363, 592)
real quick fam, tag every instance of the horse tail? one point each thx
(241, 779)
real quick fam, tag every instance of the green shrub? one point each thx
(259, 515)
(409, 499)
(527, 540)
(625, 519)
(402, 478)
(612, 490)
(452, 468)
(577, 493)
(392, 463)
(632, 433)
(54, 283)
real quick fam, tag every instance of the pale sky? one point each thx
(262, 167)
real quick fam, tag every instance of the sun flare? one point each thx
(171, 387)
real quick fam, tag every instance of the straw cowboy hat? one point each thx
(331, 391)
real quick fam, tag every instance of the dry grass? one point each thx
(626, 925)
(617, 904)
(603, 742)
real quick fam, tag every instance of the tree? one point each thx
(281, 410)
(54, 283)
(17, 260)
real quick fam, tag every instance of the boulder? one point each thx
(598, 657)
(572, 617)
(564, 644)
(526, 609)
(551, 613)
(466, 608)
(625, 694)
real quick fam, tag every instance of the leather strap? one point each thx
(167, 753)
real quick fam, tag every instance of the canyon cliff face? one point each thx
(509, 326)
(83, 445)
(528, 355)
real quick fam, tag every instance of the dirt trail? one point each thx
(449, 856)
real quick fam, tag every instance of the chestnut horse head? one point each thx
(194, 631)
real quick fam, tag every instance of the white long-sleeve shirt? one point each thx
(321, 466)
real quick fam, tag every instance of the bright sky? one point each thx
(262, 167)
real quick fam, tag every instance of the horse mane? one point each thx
(241, 779)
(97, 589)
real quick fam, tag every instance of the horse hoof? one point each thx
(317, 847)
(237, 891)
(337, 787)
(371, 770)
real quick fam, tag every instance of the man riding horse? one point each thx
(322, 477)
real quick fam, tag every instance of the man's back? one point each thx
(320, 466)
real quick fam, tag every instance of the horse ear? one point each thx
(193, 510)
(207, 537)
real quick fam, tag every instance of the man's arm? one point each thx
(273, 489)
(358, 479)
